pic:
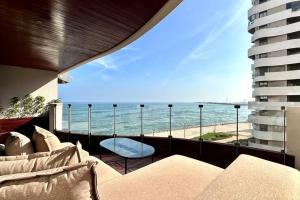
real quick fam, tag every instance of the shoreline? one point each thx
(192, 132)
(228, 128)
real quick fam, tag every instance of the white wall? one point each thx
(17, 82)
(293, 133)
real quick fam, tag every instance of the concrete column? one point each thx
(293, 133)
(55, 116)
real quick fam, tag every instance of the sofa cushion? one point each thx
(44, 140)
(173, 178)
(21, 157)
(17, 144)
(253, 178)
(105, 172)
(76, 182)
(63, 157)
(61, 145)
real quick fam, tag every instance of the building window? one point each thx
(263, 55)
(294, 6)
(293, 36)
(293, 51)
(252, 18)
(263, 84)
(263, 14)
(262, 1)
(263, 127)
(293, 20)
(265, 142)
(295, 98)
(263, 27)
(263, 41)
(293, 67)
(263, 99)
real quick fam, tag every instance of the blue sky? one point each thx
(197, 53)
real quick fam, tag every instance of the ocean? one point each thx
(155, 117)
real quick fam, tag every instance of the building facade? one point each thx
(275, 29)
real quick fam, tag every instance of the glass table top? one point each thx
(127, 148)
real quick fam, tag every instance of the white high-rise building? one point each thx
(275, 29)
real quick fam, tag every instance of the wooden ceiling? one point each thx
(58, 34)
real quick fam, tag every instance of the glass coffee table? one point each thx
(127, 149)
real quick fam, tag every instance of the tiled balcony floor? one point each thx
(118, 163)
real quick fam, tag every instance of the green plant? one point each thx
(46, 108)
(214, 136)
(26, 106)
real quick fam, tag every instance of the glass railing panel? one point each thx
(127, 119)
(219, 123)
(185, 117)
(156, 119)
(78, 113)
(102, 115)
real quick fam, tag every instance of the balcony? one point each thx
(269, 120)
(272, 47)
(278, 76)
(274, 17)
(267, 135)
(277, 91)
(271, 105)
(275, 61)
(272, 32)
(267, 5)
(266, 147)
(174, 141)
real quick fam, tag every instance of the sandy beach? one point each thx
(189, 133)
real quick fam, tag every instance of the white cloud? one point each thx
(202, 51)
(220, 27)
(108, 63)
(129, 48)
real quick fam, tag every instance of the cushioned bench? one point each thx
(249, 177)
(176, 177)
(179, 177)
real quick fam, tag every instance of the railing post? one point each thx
(200, 126)
(170, 128)
(237, 144)
(89, 124)
(142, 134)
(114, 120)
(284, 136)
(170, 119)
(200, 121)
(55, 117)
(54, 122)
(69, 121)
(184, 126)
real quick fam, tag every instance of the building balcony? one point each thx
(272, 32)
(275, 61)
(274, 17)
(276, 91)
(255, 9)
(267, 135)
(263, 146)
(271, 105)
(268, 120)
(278, 76)
(272, 47)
